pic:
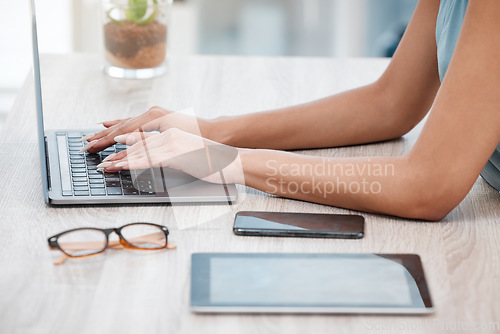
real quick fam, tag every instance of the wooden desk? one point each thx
(137, 292)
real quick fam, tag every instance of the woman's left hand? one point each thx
(174, 148)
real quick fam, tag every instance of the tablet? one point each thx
(308, 283)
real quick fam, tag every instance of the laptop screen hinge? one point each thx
(47, 163)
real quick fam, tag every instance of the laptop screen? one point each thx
(67, 84)
(39, 108)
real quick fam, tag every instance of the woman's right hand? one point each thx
(155, 119)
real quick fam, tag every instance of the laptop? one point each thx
(70, 177)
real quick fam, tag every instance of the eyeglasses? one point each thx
(88, 241)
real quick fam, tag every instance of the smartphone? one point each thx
(307, 225)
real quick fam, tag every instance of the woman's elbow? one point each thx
(430, 211)
(431, 201)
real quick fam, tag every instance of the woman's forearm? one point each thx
(384, 185)
(386, 109)
(362, 115)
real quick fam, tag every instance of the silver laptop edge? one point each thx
(39, 112)
(315, 310)
(55, 174)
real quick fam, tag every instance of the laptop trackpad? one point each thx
(175, 178)
(180, 184)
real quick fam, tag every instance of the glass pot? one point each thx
(135, 37)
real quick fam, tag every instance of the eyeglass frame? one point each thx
(54, 244)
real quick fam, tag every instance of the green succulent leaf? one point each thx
(136, 11)
(150, 19)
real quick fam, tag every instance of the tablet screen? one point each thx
(309, 280)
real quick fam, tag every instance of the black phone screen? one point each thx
(299, 224)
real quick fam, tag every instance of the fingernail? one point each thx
(86, 148)
(100, 123)
(100, 169)
(87, 137)
(109, 157)
(104, 164)
(121, 164)
(122, 139)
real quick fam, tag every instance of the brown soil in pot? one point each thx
(135, 46)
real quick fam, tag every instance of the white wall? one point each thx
(15, 42)
(283, 27)
(15, 50)
(349, 27)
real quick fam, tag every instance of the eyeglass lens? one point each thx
(144, 236)
(82, 242)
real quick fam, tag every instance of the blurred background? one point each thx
(309, 28)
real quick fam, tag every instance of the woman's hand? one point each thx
(202, 158)
(155, 119)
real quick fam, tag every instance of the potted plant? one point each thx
(135, 34)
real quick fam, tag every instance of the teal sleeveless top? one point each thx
(448, 25)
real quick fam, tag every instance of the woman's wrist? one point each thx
(255, 165)
(221, 129)
(246, 163)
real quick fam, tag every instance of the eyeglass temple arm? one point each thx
(61, 259)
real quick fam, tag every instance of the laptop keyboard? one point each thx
(87, 181)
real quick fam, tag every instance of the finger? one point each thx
(157, 144)
(198, 161)
(143, 146)
(150, 161)
(140, 148)
(128, 139)
(144, 122)
(153, 159)
(116, 156)
(141, 163)
(115, 122)
(96, 136)
(100, 134)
